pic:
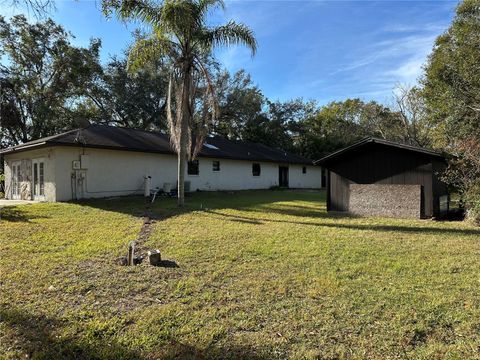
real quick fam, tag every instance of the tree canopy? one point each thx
(452, 78)
(451, 90)
(41, 78)
(130, 100)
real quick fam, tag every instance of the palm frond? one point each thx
(177, 17)
(231, 34)
(143, 10)
(147, 51)
(204, 6)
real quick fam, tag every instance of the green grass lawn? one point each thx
(261, 274)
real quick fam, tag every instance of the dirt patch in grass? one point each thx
(140, 249)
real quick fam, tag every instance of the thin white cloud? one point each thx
(408, 56)
(406, 28)
(409, 72)
(382, 65)
(411, 47)
(264, 19)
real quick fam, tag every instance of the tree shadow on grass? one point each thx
(262, 202)
(36, 337)
(164, 208)
(17, 214)
(353, 226)
(304, 212)
(246, 221)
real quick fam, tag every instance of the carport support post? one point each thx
(131, 251)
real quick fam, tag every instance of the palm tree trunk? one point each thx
(185, 119)
(182, 159)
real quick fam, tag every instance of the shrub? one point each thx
(463, 173)
(472, 200)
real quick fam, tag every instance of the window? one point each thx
(256, 169)
(216, 165)
(16, 178)
(38, 168)
(42, 179)
(35, 179)
(192, 167)
(304, 170)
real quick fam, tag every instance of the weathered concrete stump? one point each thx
(131, 254)
(155, 257)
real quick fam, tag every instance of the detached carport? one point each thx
(375, 177)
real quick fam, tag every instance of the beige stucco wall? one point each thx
(237, 175)
(112, 172)
(48, 154)
(311, 180)
(116, 173)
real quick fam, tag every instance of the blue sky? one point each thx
(322, 50)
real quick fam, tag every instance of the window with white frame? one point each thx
(256, 169)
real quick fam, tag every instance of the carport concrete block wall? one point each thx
(399, 201)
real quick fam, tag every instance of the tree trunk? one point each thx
(182, 159)
(185, 118)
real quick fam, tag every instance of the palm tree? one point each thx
(179, 33)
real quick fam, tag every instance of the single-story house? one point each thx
(103, 161)
(375, 177)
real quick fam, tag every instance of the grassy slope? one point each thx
(261, 275)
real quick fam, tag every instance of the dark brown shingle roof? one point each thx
(118, 138)
(336, 155)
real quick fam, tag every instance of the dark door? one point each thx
(283, 176)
